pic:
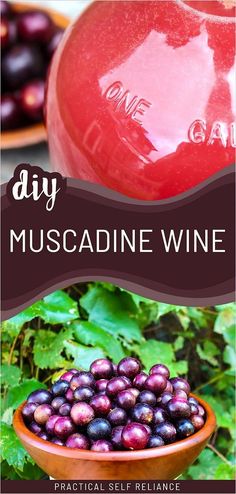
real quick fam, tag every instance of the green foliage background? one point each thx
(71, 328)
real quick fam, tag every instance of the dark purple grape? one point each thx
(142, 413)
(10, 113)
(166, 430)
(179, 393)
(5, 8)
(197, 421)
(115, 367)
(168, 388)
(184, 428)
(159, 416)
(83, 394)
(155, 442)
(82, 379)
(101, 384)
(49, 426)
(126, 399)
(28, 411)
(115, 385)
(147, 397)
(193, 409)
(78, 441)
(53, 43)
(34, 427)
(135, 392)
(69, 395)
(178, 408)
(117, 416)
(21, 63)
(134, 436)
(102, 446)
(139, 380)
(201, 411)
(99, 429)
(57, 402)
(129, 367)
(65, 409)
(127, 381)
(101, 404)
(148, 428)
(35, 26)
(57, 441)
(64, 427)
(31, 102)
(82, 413)
(164, 398)
(102, 368)
(193, 400)
(42, 413)
(43, 436)
(180, 383)
(116, 437)
(60, 387)
(67, 376)
(160, 369)
(156, 383)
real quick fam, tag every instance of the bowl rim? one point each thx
(34, 133)
(32, 440)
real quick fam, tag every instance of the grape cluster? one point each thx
(28, 41)
(114, 407)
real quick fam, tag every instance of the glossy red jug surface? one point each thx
(141, 96)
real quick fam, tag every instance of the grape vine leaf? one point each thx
(48, 347)
(9, 374)
(83, 356)
(17, 394)
(11, 448)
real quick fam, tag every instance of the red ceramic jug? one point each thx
(141, 95)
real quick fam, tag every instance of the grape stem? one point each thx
(222, 457)
(216, 378)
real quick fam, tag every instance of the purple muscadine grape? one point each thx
(57, 402)
(60, 387)
(117, 416)
(135, 392)
(159, 416)
(82, 379)
(134, 436)
(101, 404)
(5, 8)
(34, 427)
(139, 380)
(54, 42)
(201, 411)
(49, 426)
(142, 413)
(193, 400)
(67, 376)
(69, 395)
(82, 413)
(102, 446)
(179, 393)
(64, 427)
(99, 428)
(160, 369)
(116, 437)
(180, 383)
(156, 383)
(101, 384)
(164, 398)
(184, 428)
(115, 385)
(40, 396)
(148, 429)
(126, 399)
(43, 436)
(102, 368)
(57, 441)
(197, 421)
(77, 441)
(147, 397)
(166, 430)
(28, 411)
(193, 409)
(65, 409)
(42, 413)
(83, 394)
(155, 442)
(129, 367)
(35, 26)
(178, 408)
(169, 388)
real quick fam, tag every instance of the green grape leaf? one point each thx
(83, 356)
(178, 343)
(59, 308)
(152, 352)
(229, 356)
(9, 374)
(208, 352)
(89, 334)
(178, 368)
(205, 467)
(224, 471)
(11, 448)
(8, 416)
(106, 310)
(225, 324)
(13, 326)
(223, 417)
(48, 347)
(17, 394)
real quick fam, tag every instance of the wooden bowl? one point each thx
(166, 462)
(35, 133)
